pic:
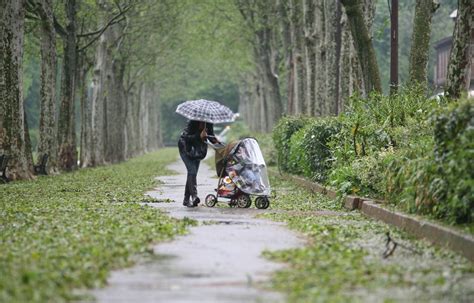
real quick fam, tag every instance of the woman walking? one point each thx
(192, 149)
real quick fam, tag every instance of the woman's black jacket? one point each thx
(190, 142)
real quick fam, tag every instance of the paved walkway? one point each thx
(216, 262)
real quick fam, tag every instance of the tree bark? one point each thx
(97, 146)
(321, 53)
(115, 140)
(12, 119)
(270, 89)
(47, 125)
(284, 10)
(298, 72)
(424, 11)
(459, 67)
(310, 41)
(102, 71)
(363, 45)
(332, 25)
(67, 158)
(85, 91)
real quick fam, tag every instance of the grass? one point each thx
(66, 232)
(342, 261)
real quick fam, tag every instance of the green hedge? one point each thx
(309, 153)
(282, 133)
(439, 181)
(418, 153)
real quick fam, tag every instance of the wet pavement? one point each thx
(220, 260)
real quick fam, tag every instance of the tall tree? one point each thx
(12, 119)
(311, 14)
(296, 80)
(459, 67)
(424, 11)
(115, 103)
(363, 45)
(47, 125)
(332, 42)
(67, 154)
(260, 17)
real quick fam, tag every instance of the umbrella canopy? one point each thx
(206, 111)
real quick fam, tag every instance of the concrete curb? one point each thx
(435, 233)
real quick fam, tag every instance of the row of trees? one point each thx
(311, 55)
(107, 51)
(106, 65)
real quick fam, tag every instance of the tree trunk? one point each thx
(311, 36)
(421, 42)
(85, 156)
(154, 139)
(132, 122)
(332, 25)
(115, 140)
(99, 93)
(97, 146)
(12, 118)
(128, 131)
(297, 40)
(285, 25)
(270, 86)
(459, 67)
(260, 16)
(67, 158)
(363, 45)
(143, 117)
(47, 125)
(320, 78)
(28, 148)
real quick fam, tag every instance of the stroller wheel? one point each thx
(210, 200)
(243, 201)
(262, 202)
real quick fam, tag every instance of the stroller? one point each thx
(242, 172)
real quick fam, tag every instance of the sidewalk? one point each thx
(218, 261)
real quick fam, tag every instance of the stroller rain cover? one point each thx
(245, 166)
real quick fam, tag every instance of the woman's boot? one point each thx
(193, 190)
(187, 192)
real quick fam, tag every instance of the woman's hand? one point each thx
(203, 134)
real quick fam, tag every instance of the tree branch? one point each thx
(59, 28)
(96, 37)
(111, 22)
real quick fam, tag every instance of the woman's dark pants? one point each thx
(192, 166)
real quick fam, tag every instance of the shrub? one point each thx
(282, 133)
(363, 176)
(374, 124)
(417, 152)
(296, 154)
(318, 157)
(309, 153)
(439, 178)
